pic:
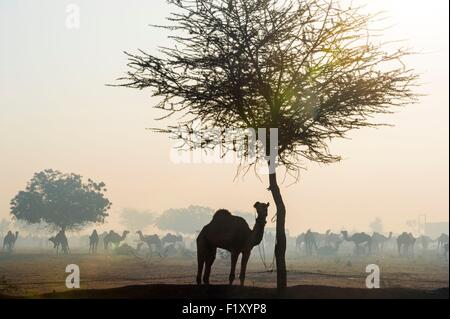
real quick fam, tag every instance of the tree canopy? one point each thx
(311, 68)
(61, 200)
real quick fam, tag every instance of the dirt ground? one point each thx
(30, 274)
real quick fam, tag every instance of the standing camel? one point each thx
(299, 241)
(170, 239)
(310, 242)
(378, 241)
(150, 240)
(424, 241)
(93, 242)
(114, 238)
(406, 242)
(359, 239)
(442, 240)
(9, 241)
(60, 240)
(233, 234)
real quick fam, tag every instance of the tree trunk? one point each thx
(280, 246)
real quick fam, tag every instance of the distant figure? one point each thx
(424, 241)
(378, 241)
(299, 241)
(9, 241)
(93, 242)
(114, 238)
(446, 251)
(359, 239)
(171, 239)
(151, 241)
(233, 234)
(60, 240)
(442, 240)
(310, 242)
(405, 244)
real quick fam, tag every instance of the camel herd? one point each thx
(365, 244)
(309, 242)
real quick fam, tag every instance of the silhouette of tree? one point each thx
(184, 220)
(311, 69)
(62, 201)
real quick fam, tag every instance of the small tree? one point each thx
(309, 68)
(60, 200)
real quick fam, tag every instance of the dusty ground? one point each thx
(31, 274)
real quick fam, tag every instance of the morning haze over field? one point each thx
(56, 112)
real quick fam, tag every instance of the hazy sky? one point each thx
(56, 112)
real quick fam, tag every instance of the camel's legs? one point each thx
(209, 260)
(234, 258)
(244, 261)
(200, 263)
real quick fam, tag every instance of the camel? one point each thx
(150, 240)
(60, 240)
(378, 240)
(93, 242)
(9, 241)
(406, 241)
(231, 233)
(442, 240)
(359, 239)
(424, 241)
(329, 250)
(171, 239)
(299, 241)
(114, 238)
(332, 238)
(446, 251)
(310, 242)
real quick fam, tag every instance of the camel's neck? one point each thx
(258, 231)
(141, 237)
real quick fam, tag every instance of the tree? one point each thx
(184, 220)
(135, 219)
(63, 201)
(311, 69)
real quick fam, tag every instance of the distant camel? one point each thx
(378, 240)
(406, 242)
(232, 233)
(93, 242)
(150, 240)
(332, 238)
(299, 241)
(442, 240)
(171, 239)
(329, 250)
(446, 251)
(424, 241)
(9, 241)
(60, 240)
(310, 242)
(358, 239)
(114, 238)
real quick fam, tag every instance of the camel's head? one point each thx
(261, 210)
(344, 233)
(125, 232)
(139, 232)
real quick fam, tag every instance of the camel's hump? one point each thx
(221, 212)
